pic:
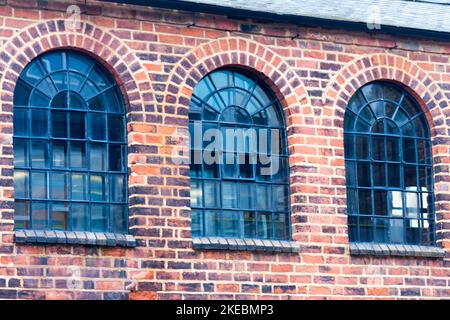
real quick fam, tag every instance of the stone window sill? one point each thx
(74, 238)
(400, 250)
(235, 244)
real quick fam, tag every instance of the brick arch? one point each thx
(427, 93)
(101, 45)
(242, 53)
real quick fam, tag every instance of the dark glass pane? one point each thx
(390, 109)
(249, 224)
(362, 126)
(20, 153)
(394, 175)
(117, 218)
(357, 101)
(362, 147)
(116, 158)
(409, 150)
(412, 231)
(231, 224)
(60, 81)
(380, 202)
(80, 217)
(260, 118)
(365, 201)
(400, 117)
(76, 101)
(115, 128)
(59, 124)
(99, 217)
(420, 127)
(245, 166)
(352, 229)
(245, 191)
(89, 90)
(281, 226)
(118, 188)
(39, 185)
(349, 146)
(60, 156)
(21, 214)
(230, 169)
(101, 78)
(78, 154)
(38, 99)
(40, 216)
(99, 188)
(60, 100)
(281, 194)
(381, 230)
(349, 121)
(367, 115)
(391, 127)
(364, 179)
(378, 127)
(46, 86)
(229, 195)
(39, 123)
(60, 216)
(77, 126)
(112, 101)
(98, 126)
(421, 146)
(379, 174)
(410, 177)
(21, 93)
(98, 157)
(392, 93)
(352, 201)
(280, 175)
(20, 122)
(39, 154)
(366, 229)
(427, 233)
(378, 148)
(59, 183)
(392, 149)
(196, 223)
(408, 130)
(410, 106)
(212, 223)
(33, 73)
(373, 91)
(265, 225)
(79, 186)
(212, 194)
(21, 184)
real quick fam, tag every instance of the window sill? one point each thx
(236, 244)
(400, 250)
(74, 237)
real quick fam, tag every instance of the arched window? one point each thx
(239, 163)
(70, 165)
(389, 169)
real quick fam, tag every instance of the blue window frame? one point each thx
(389, 169)
(239, 193)
(70, 148)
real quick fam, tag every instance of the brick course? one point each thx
(157, 56)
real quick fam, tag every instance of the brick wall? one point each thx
(158, 56)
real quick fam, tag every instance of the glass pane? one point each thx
(196, 164)
(245, 196)
(409, 150)
(378, 148)
(281, 226)
(230, 169)
(99, 190)
(229, 195)
(75, 81)
(249, 224)
(21, 93)
(265, 225)
(245, 166)
(59, 185)
(412, 231)
(410, 178)
(212, 223)
(39, 185)
(79, 186)
(212, 194)
(38, 99)
(60, 100)
(77, 128)
(20, 122)
(352, 201)
(100, 78)
(379, 174)
(59, 124)
(52, 61)
(98, 126)
(412, 205)
(33, 73)
(264, 197)
(118, 188)
(364, 174)
(98, 157)
(78, 154)
(362, 147)
(116, 159)
(21, 184)
(79, 63)
(410, 106)
(89, 90)
(365, 201)
(380, 202)
(21, 214)
(394, 175)
(117, 218)
(400, 117)
(39, 154)
(196, 194)
(392, 149)
(367, 115)
(60, 216)
(365, 229)
(46, 86)
(196, 223)
(60, 156)
(115, 128)
(349, 146)
(396, 231)
(99, 217)
(39, 123)
(392, 93)
(40, 216)
(352, 228)
(381, 230)
(79, 213)
(281, 198)
(231, 224)
(20, 153)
